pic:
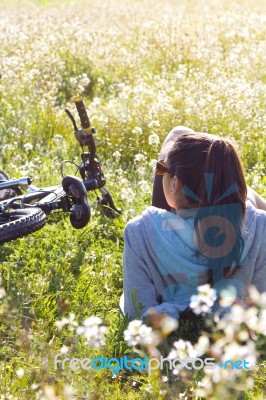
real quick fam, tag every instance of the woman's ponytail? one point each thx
(213, 183)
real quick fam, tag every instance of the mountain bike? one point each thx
(22, 214)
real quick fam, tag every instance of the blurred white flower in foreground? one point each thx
(70, 322)
(168, 324)
(163, 322)
(203, 345)
(239, 319)
(182, 349)
(232, 352)
(139, 333)
(256, 297)
(204, 300)
(93, 330)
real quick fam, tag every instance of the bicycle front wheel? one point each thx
(21, 222)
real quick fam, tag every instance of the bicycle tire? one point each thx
(21, 222)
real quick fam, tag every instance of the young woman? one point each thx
(204, 227)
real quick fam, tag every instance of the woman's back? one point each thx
(161, 265)
(213, 234)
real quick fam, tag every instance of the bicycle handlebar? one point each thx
(84, 135)
(83, 116)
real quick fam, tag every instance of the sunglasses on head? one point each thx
(161, 168)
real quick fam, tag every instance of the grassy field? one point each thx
(142, 67)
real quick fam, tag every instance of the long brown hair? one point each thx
(213, 181)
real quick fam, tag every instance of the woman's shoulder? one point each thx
(253, 212)
(135, 229)
(255, 219)
(148, 213)
(150, 217)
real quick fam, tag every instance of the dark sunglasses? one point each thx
(161, 168)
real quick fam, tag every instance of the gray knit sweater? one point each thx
(160, 268)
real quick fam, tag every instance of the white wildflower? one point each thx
(182, 349)
(243, 335)
(251, 318)
(58, 139)
(117, 155)
(261, 327)
(139, 157)
(142, 171)
(154, 123)
(204, 300)
(64, 349)
(93, 330)
(80, 88)
(168, 324)
(66, 321)
(263, 300)
(137, 130)
(182, 396)
(218, 346)
(152, 163)
(218, 374)
(73, 81)
(231, 321)
(203, 345)
(96, 102)
(144, 186)
(69, 392)
(100, 81)
(139, 333)
(206, 387)
(20, 372)
(154, 139)
(234, 351)
(127, 194)
(227, 296)
(256, 297)
(84, 80)
(49, 393)
(28, 147)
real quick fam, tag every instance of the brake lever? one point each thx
(72, 119)
(107, 205)
(81, 136)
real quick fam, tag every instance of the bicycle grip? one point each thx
(83, 116)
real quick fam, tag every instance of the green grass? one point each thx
(143, 67)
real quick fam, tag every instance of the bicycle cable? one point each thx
(70, 162)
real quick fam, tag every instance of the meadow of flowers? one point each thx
(142, 67)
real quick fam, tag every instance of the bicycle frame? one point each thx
(71, 196)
